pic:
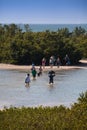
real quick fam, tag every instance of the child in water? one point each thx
(27, 79)
(40, 71)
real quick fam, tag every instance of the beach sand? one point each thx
(83, 64)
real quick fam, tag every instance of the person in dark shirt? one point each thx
(51, 75)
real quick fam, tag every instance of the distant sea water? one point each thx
(52, 27)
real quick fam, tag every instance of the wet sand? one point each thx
(83, 64)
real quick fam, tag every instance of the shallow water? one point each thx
(68, 84)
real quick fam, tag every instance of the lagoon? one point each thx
(67, 87)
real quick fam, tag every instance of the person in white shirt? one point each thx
(27, 79)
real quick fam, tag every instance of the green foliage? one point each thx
(20, 47)
(46, 118)
(83, 98)
(78, 31)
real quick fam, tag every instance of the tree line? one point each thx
(24, 47)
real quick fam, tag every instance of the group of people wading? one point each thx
(34, 74)
(51, 73)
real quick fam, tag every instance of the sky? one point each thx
(43, 11)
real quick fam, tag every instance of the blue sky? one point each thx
(43, 11)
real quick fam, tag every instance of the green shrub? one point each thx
(46, 118)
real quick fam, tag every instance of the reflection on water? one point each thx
(66, 89)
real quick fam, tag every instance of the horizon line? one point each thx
(41, 23)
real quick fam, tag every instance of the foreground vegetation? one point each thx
(24, 47)
(46, 118)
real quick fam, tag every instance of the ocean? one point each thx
(52, 27)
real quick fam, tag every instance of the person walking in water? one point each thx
(34, 72)
(40, 71)
(27, 79)
(51, 75)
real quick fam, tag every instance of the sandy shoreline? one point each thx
(28, 67)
